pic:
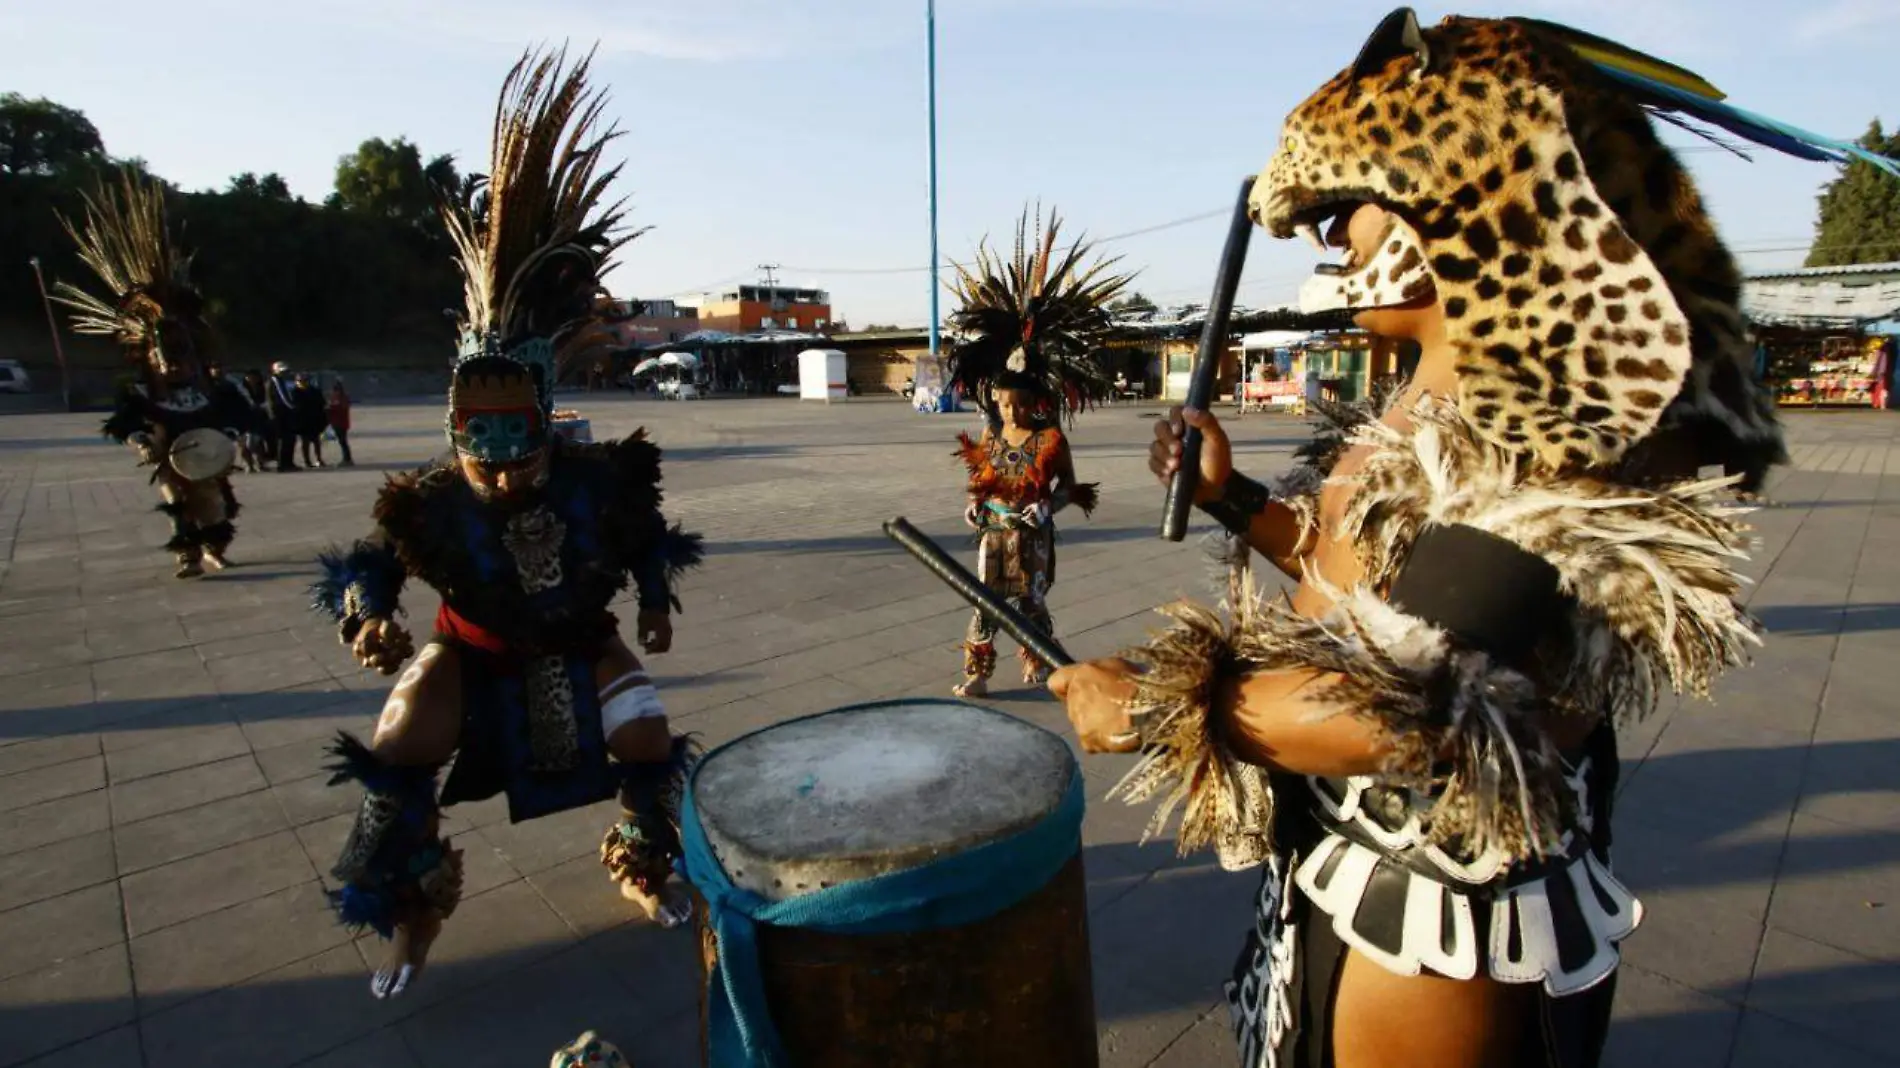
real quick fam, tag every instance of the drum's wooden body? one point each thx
(819, 802)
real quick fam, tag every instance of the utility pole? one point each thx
(771, 281)
(930, 46)
(52, 325)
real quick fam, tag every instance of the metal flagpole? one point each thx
(930, 36)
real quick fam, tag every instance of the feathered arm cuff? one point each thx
(668, 554)
(128, 418)
(359, 585)
(1084, 495)
(1462, 730)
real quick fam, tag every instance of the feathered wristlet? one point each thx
(1637, 593)
(359, 585)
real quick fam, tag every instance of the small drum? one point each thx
(203, 454)
(882, 799)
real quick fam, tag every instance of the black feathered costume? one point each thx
(156, 316)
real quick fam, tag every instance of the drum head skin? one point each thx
(861, 791)
(203, 454)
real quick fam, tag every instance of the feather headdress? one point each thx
(536, 234)
(151, 308)
(1033, 321)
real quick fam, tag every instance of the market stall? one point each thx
(1808, 369)
(1817, 334)
(1273, 372)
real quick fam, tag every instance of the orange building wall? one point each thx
(745, 316)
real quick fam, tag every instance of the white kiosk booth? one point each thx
(821, 375)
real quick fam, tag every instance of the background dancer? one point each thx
(526, 681)
(1032, 325)
(182, 426)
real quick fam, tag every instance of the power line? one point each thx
(1123, 236)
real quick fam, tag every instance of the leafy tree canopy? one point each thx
(1859, 220)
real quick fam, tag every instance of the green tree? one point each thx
(1860, 210)
(1133, 304)
(268, 187)
(38, 136)
(388, 179)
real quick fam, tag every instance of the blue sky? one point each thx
(793, 132)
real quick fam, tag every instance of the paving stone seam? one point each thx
(1212, 1011)
(1807, 756)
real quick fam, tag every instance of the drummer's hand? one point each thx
(1096, 695)
(1217, 454)
(655, 630)
(382, 645)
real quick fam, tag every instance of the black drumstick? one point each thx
(1233, 260)
(981, 597)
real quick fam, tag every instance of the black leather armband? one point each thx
(1240, 500)
(1488, 593)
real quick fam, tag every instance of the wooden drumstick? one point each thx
(981, 597)
(1200, 395)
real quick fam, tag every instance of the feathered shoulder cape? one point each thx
(430, 526)
(1650, 573)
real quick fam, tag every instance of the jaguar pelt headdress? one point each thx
(1584, 288)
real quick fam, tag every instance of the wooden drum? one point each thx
(851, 799)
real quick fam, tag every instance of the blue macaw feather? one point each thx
(1770, 133)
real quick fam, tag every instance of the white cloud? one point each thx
(1843, 18)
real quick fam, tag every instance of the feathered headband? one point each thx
(535, 235)
(1034, 321)
(152, 310)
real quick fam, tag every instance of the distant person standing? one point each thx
(340, 419)
(263, 442)
(283, 415)
(229, 395)
(312, 418)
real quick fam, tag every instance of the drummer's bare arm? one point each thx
(1237, 502)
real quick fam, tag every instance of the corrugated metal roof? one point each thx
(1792, 302)
(1892, 268)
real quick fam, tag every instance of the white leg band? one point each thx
(639, 702)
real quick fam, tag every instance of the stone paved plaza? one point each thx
(165, 829)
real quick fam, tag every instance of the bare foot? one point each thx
(408, 951)
(974, 686)
(217, 561)
(669, 908)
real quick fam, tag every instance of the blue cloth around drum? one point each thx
(957, 889)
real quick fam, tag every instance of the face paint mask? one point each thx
(497, 435)
(1395, 275)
